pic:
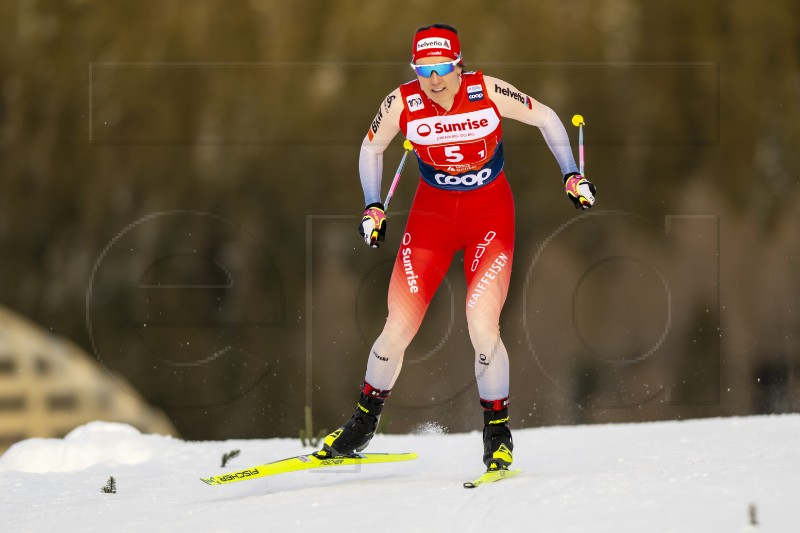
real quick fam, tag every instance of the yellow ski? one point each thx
(490, 477)
(306, 462)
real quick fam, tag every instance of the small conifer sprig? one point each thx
(228, 456)
(111, 486)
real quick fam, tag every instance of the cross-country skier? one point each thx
(463, 202)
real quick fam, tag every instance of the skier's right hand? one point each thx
(373, 224)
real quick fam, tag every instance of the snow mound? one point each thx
(85, 446)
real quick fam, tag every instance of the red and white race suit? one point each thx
(463, 202)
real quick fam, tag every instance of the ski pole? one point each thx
(577, 121)
(408, 147)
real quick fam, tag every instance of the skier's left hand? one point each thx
(580, 190)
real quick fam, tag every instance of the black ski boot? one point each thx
(497, 441)
(356, 433)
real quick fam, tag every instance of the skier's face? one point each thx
(440, 89)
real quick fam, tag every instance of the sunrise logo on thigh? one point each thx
(408, 268)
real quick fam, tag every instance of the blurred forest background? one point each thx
(179, 195)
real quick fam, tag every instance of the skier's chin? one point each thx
(438, 95)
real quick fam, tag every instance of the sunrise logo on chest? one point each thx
(449, 128)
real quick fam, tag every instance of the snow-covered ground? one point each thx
(699, 476)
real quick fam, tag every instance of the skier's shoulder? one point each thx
(409, 87)
(495, 84)
(390, 99)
